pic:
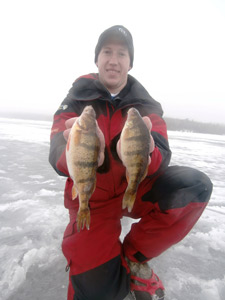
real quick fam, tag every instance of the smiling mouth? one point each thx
(112, 71)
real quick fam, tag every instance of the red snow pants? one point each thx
(168, 208)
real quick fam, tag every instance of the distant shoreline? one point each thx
(173, 124)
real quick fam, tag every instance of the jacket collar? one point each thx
(89, 87)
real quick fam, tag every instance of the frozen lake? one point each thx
(33, 218)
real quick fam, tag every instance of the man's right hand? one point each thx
(69, 123)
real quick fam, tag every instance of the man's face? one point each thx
(113, 65)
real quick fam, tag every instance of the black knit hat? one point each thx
(118, 32)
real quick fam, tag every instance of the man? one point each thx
(169, 200)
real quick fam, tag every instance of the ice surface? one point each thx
(33, 218)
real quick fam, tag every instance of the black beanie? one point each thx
(119, 32)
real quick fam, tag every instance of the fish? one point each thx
(135, 149)
(82, 154)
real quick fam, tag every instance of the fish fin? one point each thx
(145, 174)
(74, 193)
(127, 176)
(128, 200)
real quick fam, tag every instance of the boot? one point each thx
(145, 284)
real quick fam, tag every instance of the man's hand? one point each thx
(149, 126)
(148, 123)
(69, 123)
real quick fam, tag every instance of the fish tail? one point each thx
(83, 215)
(83, 219)
(74, 193)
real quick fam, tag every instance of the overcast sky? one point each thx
(179, 51)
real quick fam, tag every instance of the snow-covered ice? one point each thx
(33, 218)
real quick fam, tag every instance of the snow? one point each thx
(33, 219)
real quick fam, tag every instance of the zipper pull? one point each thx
(68, 266)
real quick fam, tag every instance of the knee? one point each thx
(198, 183)
(179, 186)
(206, 185)
(190, 186)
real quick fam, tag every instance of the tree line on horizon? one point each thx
(194, 126)
(173, 124)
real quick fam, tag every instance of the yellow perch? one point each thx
(135, 148)
(82, 153)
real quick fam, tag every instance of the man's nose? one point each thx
(113, 59)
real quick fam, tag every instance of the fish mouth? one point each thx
(89, 110)
(132, 111)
